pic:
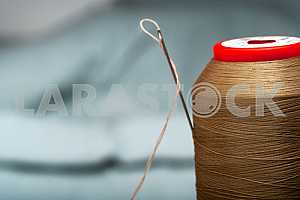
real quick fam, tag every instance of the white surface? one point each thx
(161, 184)
(52, 141)
(243, 42)
(66, 141)
(135, 140)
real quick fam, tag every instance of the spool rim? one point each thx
(253, 49)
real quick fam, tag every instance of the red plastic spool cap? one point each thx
(254, 49)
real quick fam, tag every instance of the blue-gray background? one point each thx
(98, 42)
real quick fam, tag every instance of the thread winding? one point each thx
(255, 157)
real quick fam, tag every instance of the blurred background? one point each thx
(100, 154)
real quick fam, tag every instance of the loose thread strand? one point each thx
(173, 107)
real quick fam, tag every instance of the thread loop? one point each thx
(157, 39)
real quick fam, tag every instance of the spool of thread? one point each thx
(254, 155)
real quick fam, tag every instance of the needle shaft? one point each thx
(165, 50)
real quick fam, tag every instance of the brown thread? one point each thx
(253, 157)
